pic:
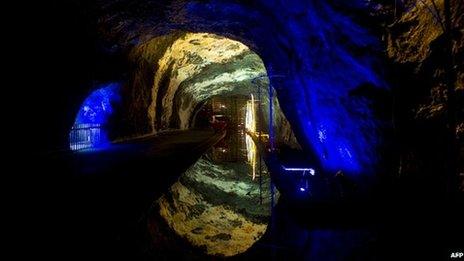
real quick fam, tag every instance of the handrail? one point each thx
(84, 136)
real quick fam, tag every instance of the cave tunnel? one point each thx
(305, 130)
(89, 130)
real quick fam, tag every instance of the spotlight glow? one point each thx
(250, 116)
(250, 126)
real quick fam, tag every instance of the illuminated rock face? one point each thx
(416, 29)
(416, 46)
(328, 59)
(217, 206)
(416, 39)
(176, 73)
(200, 66)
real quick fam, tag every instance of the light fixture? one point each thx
(310, 170)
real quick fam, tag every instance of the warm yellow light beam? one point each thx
(250, 125)
(251, 154)
(250, 117)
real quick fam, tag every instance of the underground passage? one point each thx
(229, 129)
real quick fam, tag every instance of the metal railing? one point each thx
(270, 93)
(83, 136)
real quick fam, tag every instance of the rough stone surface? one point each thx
(217, 206)
(415, 44)
(175, 73)
(321, 65)
(416, 38)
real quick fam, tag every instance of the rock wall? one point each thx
(131, 119)
(415, 45)
(415, 39)
(173, 74)
(325, 55)
(195, 62)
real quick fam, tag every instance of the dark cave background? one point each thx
(67, 50)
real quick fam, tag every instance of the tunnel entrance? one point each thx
(85, 135)
(190, 69)
(182, 83)
(89, 128)
(222, 203)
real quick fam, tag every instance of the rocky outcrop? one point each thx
(416, 39)
(415, 44)
(136, 94)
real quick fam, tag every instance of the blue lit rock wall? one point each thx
(92, 120)
(325, 55)
(98, 106)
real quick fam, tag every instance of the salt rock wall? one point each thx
(173, 74)
(200, 59)
(131, 118)
(327, 54)
(415, 44)
(416, 38)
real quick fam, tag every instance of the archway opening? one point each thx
(222, 202)
(89, 130)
